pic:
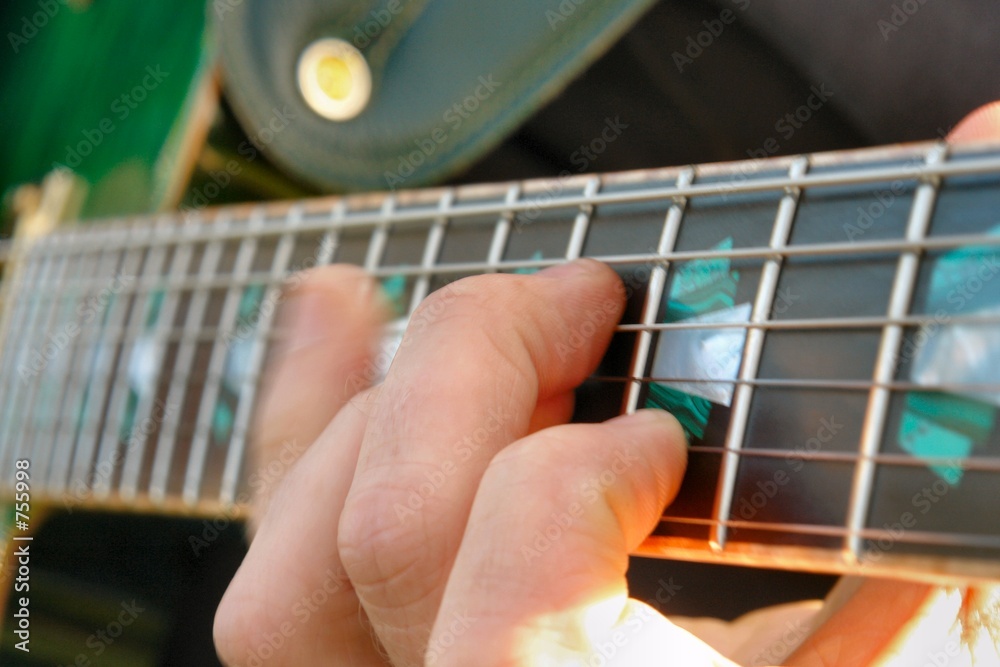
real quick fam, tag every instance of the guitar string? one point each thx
(833, 250)
(762, 253)
(368, 218)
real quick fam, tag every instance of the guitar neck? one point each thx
(821, 286)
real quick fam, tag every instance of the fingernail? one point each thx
(572, 269)
(305, 321)
(648, 417)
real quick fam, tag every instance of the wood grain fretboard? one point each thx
(132, 350)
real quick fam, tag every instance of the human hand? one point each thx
(339, 574)
(471, 409)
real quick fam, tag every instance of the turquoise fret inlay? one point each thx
(699, 287)
(938, 425)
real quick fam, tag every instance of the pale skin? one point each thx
(347, 569)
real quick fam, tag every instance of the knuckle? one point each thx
(377, 548)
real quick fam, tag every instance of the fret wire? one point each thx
(15, 345)
(970, 540)
(860, 176)
(582, 222)
(432, 250)
(907, 272)
(54, 377)
(10, 321)
(380, 236)
(853, 249)
(29, 334)
(55, 438)
(129, 336)
(752, 350)
(896, 460)
(135, 454)
(781, 383)
(248, 392)
(62, 450)
(821, 323)
(216, 368)
(80, 400)
(120, 313)
(328, 246)
(501, 230)
(654, 292)
(186, 354)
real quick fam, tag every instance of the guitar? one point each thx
(825, 327)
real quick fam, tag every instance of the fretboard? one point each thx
(813, 321)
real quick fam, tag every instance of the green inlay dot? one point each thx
(527, 270)
(250, 301)
(155, 304)
(691, 411)
(128, 421)
(699, 287)
(222, 422)
(395, 290)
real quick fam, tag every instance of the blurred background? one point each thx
(165, 106)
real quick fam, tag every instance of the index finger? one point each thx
(477, 360)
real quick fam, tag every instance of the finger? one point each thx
(869, 634)
(333, 316)
(291, 603)
(477, 361)
(540, 575)
(552, 411)
(982, 124)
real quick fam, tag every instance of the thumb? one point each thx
(540, 576)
